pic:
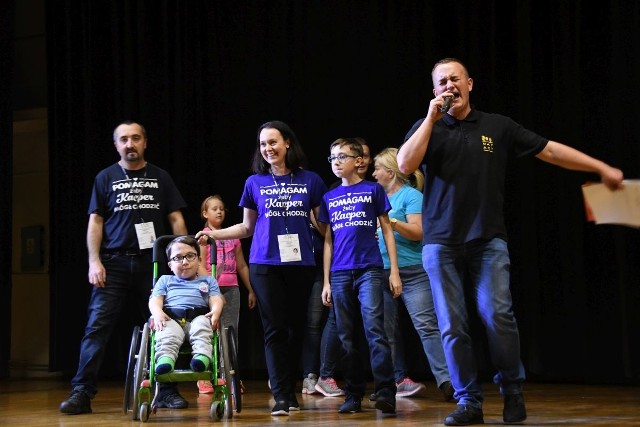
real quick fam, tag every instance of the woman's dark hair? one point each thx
(295, 158)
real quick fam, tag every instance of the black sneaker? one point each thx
(293, 403)
(514, 410)
(280, 408)
(373, 397)
(171, 399)
(386, 404)
(447, 391)
(78, 403)
(351, 405)
(465, 415)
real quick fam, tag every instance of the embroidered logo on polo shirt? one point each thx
(487, 144)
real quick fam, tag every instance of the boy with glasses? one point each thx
(353, 273)
(184, 304)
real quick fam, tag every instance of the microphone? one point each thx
(446, 104)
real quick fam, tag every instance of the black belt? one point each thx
(127, 252)
(183, 315)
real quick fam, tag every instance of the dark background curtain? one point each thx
(7, 55)
(203, 75)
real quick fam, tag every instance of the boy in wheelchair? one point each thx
(184, 304)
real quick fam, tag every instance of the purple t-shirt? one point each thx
(352, 213)
(283, 204)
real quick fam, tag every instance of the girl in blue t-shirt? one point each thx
(406, 221)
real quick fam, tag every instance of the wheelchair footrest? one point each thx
(180, 375)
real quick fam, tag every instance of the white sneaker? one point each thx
(309, 384)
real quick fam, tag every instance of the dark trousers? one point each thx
(129, 278)
(283, 294)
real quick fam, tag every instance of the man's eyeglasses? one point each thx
(341, 158)
(191, 256)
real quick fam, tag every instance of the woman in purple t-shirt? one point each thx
(277, 202)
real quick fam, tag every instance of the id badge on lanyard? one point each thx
(146, 235)
(289, 246)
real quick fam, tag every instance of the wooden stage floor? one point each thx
(35, 402)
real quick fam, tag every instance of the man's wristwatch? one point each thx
(393, 222)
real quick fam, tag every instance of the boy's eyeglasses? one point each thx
(341, 158)
(191, 256)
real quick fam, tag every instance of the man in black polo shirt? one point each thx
(132, 202)
(464, 152)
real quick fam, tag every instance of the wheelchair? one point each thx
(141, 378)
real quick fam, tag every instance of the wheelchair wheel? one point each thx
(225, 364)
(140, 369)
(234, 383)
(144, 412)
(128, 385)
(216, 411)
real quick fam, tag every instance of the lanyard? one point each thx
(124, 171)
(286, 228)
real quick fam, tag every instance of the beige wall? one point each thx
(30, 204)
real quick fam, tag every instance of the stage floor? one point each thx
(35, 402)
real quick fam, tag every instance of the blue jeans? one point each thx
(487, 264)
(127, 277)
(282, 292)
(354, 291)
(417, 298)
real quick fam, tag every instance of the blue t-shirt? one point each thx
(283, 204)
(406, 201)
(124, 198)
(182, 293)
(352, 213)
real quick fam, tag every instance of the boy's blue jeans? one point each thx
(486, 262)
(356, 291)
